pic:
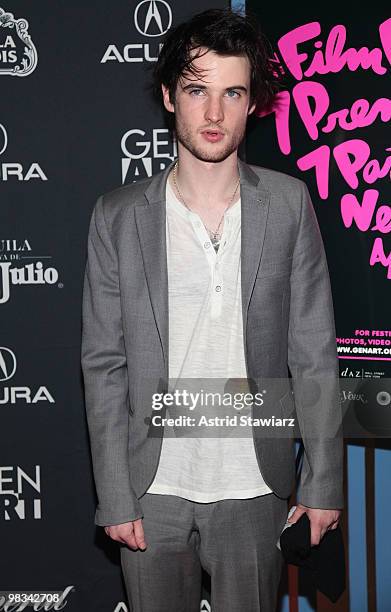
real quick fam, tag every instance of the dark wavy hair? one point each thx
(226, 33)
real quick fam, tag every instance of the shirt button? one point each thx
(207, 245)
(218, 288)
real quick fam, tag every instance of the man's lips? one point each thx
(212, 135)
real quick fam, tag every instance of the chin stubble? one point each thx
(183, 135)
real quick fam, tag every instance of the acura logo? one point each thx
(152, 17)
(7, 363)
(3, 139)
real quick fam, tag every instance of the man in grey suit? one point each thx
(211, 270)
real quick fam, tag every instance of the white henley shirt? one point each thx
(205, 341)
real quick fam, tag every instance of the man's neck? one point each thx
(207, 185)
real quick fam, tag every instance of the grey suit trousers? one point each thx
(234, 540)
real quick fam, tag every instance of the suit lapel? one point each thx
(150, 217)
(255, 202)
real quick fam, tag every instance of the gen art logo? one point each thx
(146, 152)
(20, 496)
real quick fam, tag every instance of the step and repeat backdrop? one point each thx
(76, 120)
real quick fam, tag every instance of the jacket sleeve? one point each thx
(104, 368)
(313, 362)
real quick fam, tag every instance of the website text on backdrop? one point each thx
(212, 270)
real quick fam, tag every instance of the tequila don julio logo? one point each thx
(30, 274)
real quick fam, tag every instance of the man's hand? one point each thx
(131, 533)
(321, 520)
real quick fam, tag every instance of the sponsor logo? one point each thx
(7, 364)
(20, 394)
(29, 274)
(383, 398)
(146, 152)
(20, 493)
(347, 395)
(121, 607)
(204, 606)
(13, 252)
(14, 249)
(18, 55)
(15, 170)
(3, 139)
(361, 373)
(153, 17)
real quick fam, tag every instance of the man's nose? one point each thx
(214, 111)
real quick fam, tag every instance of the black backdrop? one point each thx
(66, 136)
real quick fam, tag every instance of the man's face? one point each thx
(211, 112)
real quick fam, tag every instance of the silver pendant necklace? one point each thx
(215, 235)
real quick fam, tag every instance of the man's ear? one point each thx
(251, 109)
(166, 99)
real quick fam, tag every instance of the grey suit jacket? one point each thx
(288, 328)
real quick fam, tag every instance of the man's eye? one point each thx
(196, 91)
(233, 94)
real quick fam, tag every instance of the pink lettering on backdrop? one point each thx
(335, 57)
(311, 101)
